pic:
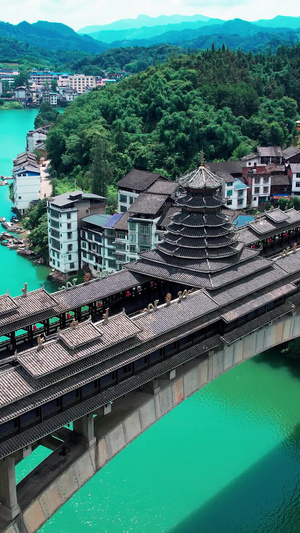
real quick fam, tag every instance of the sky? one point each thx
(80, 13)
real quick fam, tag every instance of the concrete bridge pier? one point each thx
(9, 508)
(85, 427)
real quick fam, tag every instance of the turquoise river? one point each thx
(226, 460)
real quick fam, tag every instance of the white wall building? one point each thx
(235, 193)
(35, 138)
(26, 181)
(65, 213)
(79, 82)
(260, 187)
(294, 173)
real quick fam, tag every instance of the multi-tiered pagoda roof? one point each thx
(199, 240)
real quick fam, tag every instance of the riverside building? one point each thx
(65, 213)
(26, 181)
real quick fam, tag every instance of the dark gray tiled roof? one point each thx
(147, 204)
(290, 152)
(122, 223)
(33, 303)
(257, 323)
(230, 167)
(280, 179)
(97, 289)
(56, 354)
(7, 304)
(264, 297)
(262, 225)
(269, 151)
(138, 180)
(295, 167)
(163, 187)
(165, 219)
(277, 215)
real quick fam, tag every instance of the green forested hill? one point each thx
(220, 101)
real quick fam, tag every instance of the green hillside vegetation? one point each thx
(220, 101)
(51, 36)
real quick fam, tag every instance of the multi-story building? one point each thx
(131, 185)
(65, 213)
(68, 95)
(265, 155)
(234, 191)
(63, 80)
(35, 138)
(294, 174)
(26, 181)
(97, 236)
(79, 82)
(259, 182)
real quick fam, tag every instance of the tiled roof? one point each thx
(290, 152)
(277, 215)
(295, 167)
(269, 151)
(122, 223)
(165, 219)
(79, 335)
(163, 187)
(111, 223)
(201, 178)
(280, 179)
(230, 167)
(7, 304)
(147, 204)
(138, 180)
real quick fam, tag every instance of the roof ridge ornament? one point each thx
(25, 289)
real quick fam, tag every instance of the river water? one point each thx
(16, 270)
(226, 460)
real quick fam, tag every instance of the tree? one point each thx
(46, 115)
(22, 78)
(101, 168)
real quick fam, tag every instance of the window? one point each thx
(121, 236)
(266, 180)
(229, 202)
(98, 238)
(132, 248)
(144, 249)
(122, 208)
(111, 264)
(123, 198)
(240, 202)
(70, 247)
(69, 225)
(69, 234)
(84, 254)
(90, 236)
(297, 174)
(257, 180)
(70, 257)
(20, 197)
(83, 244)
(297, 183)
(82, 234)
(131, 226)
(229, 193)
(131, 200)
(229, 183)
(266, 189)
(72, 266)
(256, 190)
(68, 215)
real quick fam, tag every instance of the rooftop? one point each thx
(97, 220)
(138, 180)
(147, 204)
(67, 198)
(231, 167)
(201, 178)
(290, 152)
(163, 187)
(269, 151)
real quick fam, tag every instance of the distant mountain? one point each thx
(280, 22)
(51, 36)
(143, 20)
(109, 36)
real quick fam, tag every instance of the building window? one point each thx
(144, 249)
(69, 234)
(256, 190)
(123, 198)
(132, 248)
(297, 174)
(70, 247)
(229, 183)
(68, 215)
(240, 202)
(72, 266)
(257, 180)
(266, 180)
(121, 236)
(69, 225)
(266, 189)
(83, 244)
(122, 208)
(111, 264)
(70, 257)
(90, 236)
(131, 200)
(229, 202)
(229, 193)
(297, 183)
(20, 197)
(84, 254)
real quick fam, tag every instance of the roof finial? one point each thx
(202, 158)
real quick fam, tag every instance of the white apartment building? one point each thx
(36, 137)
(131, 185)
(259, 187)
(79, 82)
(234, 191)
(294, 173)
(26, 181)
(65, 213)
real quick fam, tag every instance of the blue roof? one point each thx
(113, 220)
(238, 185)
(242, 220)
(97, 220)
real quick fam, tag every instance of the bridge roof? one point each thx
(269, 224)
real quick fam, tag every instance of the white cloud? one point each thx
(79, 13)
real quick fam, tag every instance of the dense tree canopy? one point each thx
(220, 101)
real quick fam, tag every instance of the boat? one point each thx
(2, 219)
(14, 219)
(5, 224)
